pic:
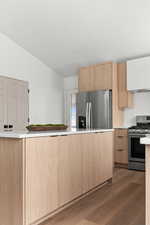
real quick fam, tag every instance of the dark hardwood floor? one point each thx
(122, 203)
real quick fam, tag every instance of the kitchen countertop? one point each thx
(145, 140)
(27, 134)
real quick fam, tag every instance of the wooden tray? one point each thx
(46, 128)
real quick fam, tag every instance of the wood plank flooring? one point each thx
(122, 203)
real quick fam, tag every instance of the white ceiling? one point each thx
(67, 34)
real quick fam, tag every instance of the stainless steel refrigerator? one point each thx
(94, 110)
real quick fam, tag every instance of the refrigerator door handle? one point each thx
(90, 115)
(87, 114)
(107, 109)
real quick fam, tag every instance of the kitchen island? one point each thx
(146, 141)
(41, 173)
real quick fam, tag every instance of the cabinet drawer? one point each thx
(121, 155)
(121, 146)
(121, 133)
(121, 142)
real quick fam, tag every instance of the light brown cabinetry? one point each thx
(121, 146)
(96, 77)
(91, 161)
(107, 155)
(40, 175)
(97, 159)
(11, 182)
(86, 79)
(125, 97)
(147, 184)
(103, 76)
(70, 168)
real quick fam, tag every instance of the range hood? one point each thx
(138, 75)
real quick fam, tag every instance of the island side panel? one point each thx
(41, 185)
(11, 181)
(148, 185)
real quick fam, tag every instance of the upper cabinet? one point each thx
(102, 76)
(138, 74)
(125, 96)
(96, 77)
(86, 79)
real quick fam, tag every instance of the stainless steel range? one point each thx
(136, 149)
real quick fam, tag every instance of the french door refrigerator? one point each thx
(94, 110)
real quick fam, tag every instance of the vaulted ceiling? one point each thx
(67, 34)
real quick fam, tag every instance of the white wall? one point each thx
(141, 102)
(70, 83)
(70, 87)
(141, 107)
(46, 87)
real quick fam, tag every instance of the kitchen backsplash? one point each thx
(141, 107)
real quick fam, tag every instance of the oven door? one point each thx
(136, 149)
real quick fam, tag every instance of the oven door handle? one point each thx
(137, 135)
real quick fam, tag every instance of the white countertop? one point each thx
(145, 140)
(26, 134)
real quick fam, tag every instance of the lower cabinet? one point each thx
(49, 172)
(70, 168)
(60, 169)
(121, 147)
(41, 184)
(97, 159)
(91, 148)
(107, 156)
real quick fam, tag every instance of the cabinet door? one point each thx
(125, 97)
(17, 104)
(3, 103)
(91, 146)
(121, 146)
(41, 177)
(107, 155)
(103, 76)
(121, 156)
(86, 82)
(70, 168)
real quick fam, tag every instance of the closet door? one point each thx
(17, 104)
(3, 104)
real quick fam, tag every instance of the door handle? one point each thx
(87, 115)
(120, 150)
(90, 115)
